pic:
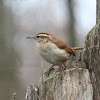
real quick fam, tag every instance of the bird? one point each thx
(53, 50)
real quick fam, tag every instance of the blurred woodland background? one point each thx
(20, 62)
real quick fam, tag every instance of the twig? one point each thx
(41, 91)
(13, 96)
(32, 93)
(29, 93)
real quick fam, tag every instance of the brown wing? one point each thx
(63, 45)
(60, 44)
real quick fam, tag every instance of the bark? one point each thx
(72, 84)
(32, 93)
(91, 56)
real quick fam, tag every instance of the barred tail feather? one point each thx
(77, 48)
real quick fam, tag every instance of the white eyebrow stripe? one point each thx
(44, 35)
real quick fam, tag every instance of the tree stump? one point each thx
(71, 84)
(91, 57)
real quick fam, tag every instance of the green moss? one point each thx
(50, 77)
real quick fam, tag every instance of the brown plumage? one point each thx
(62, 45)
(59, 43)
(77, 48)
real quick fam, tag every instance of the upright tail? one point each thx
(77, 48)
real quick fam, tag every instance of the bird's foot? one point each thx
(47, 73)
(79, 60)
(63, 66)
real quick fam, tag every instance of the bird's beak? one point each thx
(30, 37)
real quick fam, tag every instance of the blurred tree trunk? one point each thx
(2, 42)
(71, 24)
(8, 56)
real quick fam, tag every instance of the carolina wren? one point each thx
(52, 49)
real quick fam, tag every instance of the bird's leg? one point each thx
(48, 71)
(62, 66)
(79, 60)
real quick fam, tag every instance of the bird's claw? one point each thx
(47, 73)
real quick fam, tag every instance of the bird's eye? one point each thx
(37, 36)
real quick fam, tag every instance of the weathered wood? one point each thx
(91, 57)
(72, 84)
(13, 96)
(32, 92)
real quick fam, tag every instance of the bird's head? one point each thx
(42, 37)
